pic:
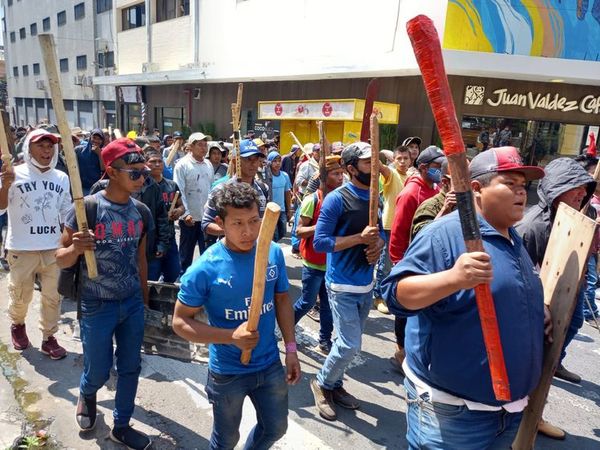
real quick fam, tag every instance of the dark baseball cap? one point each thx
(431, 154)
(177, 135)
(503, 159)
(356, 151)
(412, 140)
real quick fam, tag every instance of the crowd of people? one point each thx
(152, 202)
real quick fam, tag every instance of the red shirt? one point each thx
(415, 192)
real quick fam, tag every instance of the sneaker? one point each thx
(133, 439)
(564, 374)
(323, 349)
(86, 412)
(344, 399)
(314, 314)
(323, 401)
(381, 306)
(551, 431)
(19, 336)
(51, 348)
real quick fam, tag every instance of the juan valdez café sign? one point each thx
(475, 95)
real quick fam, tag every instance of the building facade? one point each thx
(179, 62)
(85, 43)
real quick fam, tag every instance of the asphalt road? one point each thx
(173, 409)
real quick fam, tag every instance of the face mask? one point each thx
(364, 178)
(435, 175)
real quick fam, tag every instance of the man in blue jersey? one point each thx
(352, 247)
(221, 283)
(451, 401)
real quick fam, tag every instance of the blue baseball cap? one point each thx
(249, 148)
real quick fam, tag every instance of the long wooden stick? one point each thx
(4, 144)
(325, 151)
(173, 152)
(174, 202)
(302, 149)
(236, 111)
(374, 189)
(49, 54)
(261, 260)
(562, 269)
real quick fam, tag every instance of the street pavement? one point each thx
(37, 393)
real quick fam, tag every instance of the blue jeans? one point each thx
(100, 321)
(268, 392)
(295, 240)
(189, 237)
(350, 312)
(168, 266)
(281, 228)
(591, 279)
(383, 267)
(313, 284)
(434, 426)
(576, 322)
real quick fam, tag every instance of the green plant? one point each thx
(207, 128)
(31, 442)
(387, 136)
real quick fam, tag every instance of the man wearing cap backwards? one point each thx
(417, 189)
(413, 144)
(194, 175)
(451, 402)
(251, 159)
(36, 198)
(289, 162)
(112, 304)
(352, 248)
(568, 182)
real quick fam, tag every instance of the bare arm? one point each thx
(304, 230)
(7, 177)
(72, 245)
(285, 319)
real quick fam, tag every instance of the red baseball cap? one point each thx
(117, 149)
(39, 134)
(503, 159)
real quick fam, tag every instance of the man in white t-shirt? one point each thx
(194, 175)
(37, 198)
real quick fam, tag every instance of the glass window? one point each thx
(64, 65)
(170, 9)
(36, 68)
(61, 18)
(46, 24)
(10, 2)
(79, 11)
(12, 36)
(22, 33)
(15, 71)
(82, 62)
(103, 5)
(25, 71)
(106, 60)
(33, 29)
(133, 17)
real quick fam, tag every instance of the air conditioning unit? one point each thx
(40, 84)
(78, 79)
(88, 81)
(149, 67)
(197, 93)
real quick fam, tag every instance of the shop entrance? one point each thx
(538, 141)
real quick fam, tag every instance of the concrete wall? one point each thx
(132, 50)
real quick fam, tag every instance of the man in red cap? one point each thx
(111, 306)
(37, 198)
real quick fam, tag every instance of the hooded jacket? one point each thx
(37, 203)
(562, 175)
(90, 170)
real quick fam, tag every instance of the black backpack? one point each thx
(69, 278)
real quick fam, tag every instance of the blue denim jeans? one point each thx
(168, 266)
(189, 237)
(576, 322)
(350, 312)
(268, 392)
(434, 426)
(383, 267)
(281, 228)
(100, 321)
(313, 284)
(295, 240)
(591, 280)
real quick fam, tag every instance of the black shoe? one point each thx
(323, 349)
(567, 375)
(314, 314)
(133, 439)
(86, 412)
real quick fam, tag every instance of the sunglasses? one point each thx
(135, 174)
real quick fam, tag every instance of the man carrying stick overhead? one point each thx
(352, 247)
(222, 283)
(451, 401)
(37, 199)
